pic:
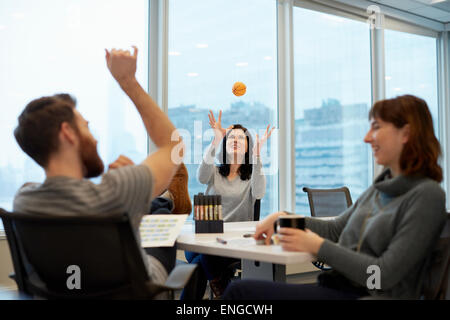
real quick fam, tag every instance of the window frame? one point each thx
(141, 27)
(159, 71)
(355, 9)
(158, 32)
(408, 23)
(443, 64)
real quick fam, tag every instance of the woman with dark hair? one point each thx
(238, 178)
(240, 181)
(390, 230)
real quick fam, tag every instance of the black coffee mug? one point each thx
(290, 222)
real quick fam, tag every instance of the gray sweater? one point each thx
(406, 216)
(238, 196)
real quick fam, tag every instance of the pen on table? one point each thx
(220, 240)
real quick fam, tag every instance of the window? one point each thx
(411, 68)
(58, 46)
(332, 99)
(51, 47)
(212, 45)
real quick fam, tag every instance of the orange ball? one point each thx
(239, 89)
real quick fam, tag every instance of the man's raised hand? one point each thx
(122, 64)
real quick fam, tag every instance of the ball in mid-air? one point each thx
(239, 89)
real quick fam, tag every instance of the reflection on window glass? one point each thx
(51, 47)
(411, 68)
(332, 99)
(212, 45)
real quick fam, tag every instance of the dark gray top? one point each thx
(404, 217)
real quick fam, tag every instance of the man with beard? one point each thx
(55, 135)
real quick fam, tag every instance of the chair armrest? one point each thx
(375, 298)
(12, 276)
(177, 280)
(180, 276)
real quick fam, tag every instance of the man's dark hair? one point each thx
(39, 125)
(67, 98)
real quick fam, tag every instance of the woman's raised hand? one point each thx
(219, 132)
(260, 142)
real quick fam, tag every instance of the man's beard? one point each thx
(93, 165)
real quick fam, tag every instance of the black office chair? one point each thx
(327, 203)
(257, 210)
(104, 248)
(436, 283)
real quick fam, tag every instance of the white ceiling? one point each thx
(438, 10)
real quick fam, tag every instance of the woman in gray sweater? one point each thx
(239, 178)
(389, 231)
(240, 181)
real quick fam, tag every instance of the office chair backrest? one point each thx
(436, 282)
(257, 210)
(328, 202)
(104, 248)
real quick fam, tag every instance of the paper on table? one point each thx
(161, 230)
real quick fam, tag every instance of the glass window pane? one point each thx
(411, 68)
(332, 99)
(51, 47)
(232, 41)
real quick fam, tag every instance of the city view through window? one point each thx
(62, 50)
(206, 57)
(332, 100)
(332, 81)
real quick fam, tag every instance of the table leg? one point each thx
(257, 270)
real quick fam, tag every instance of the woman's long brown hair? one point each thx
(421, 153)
